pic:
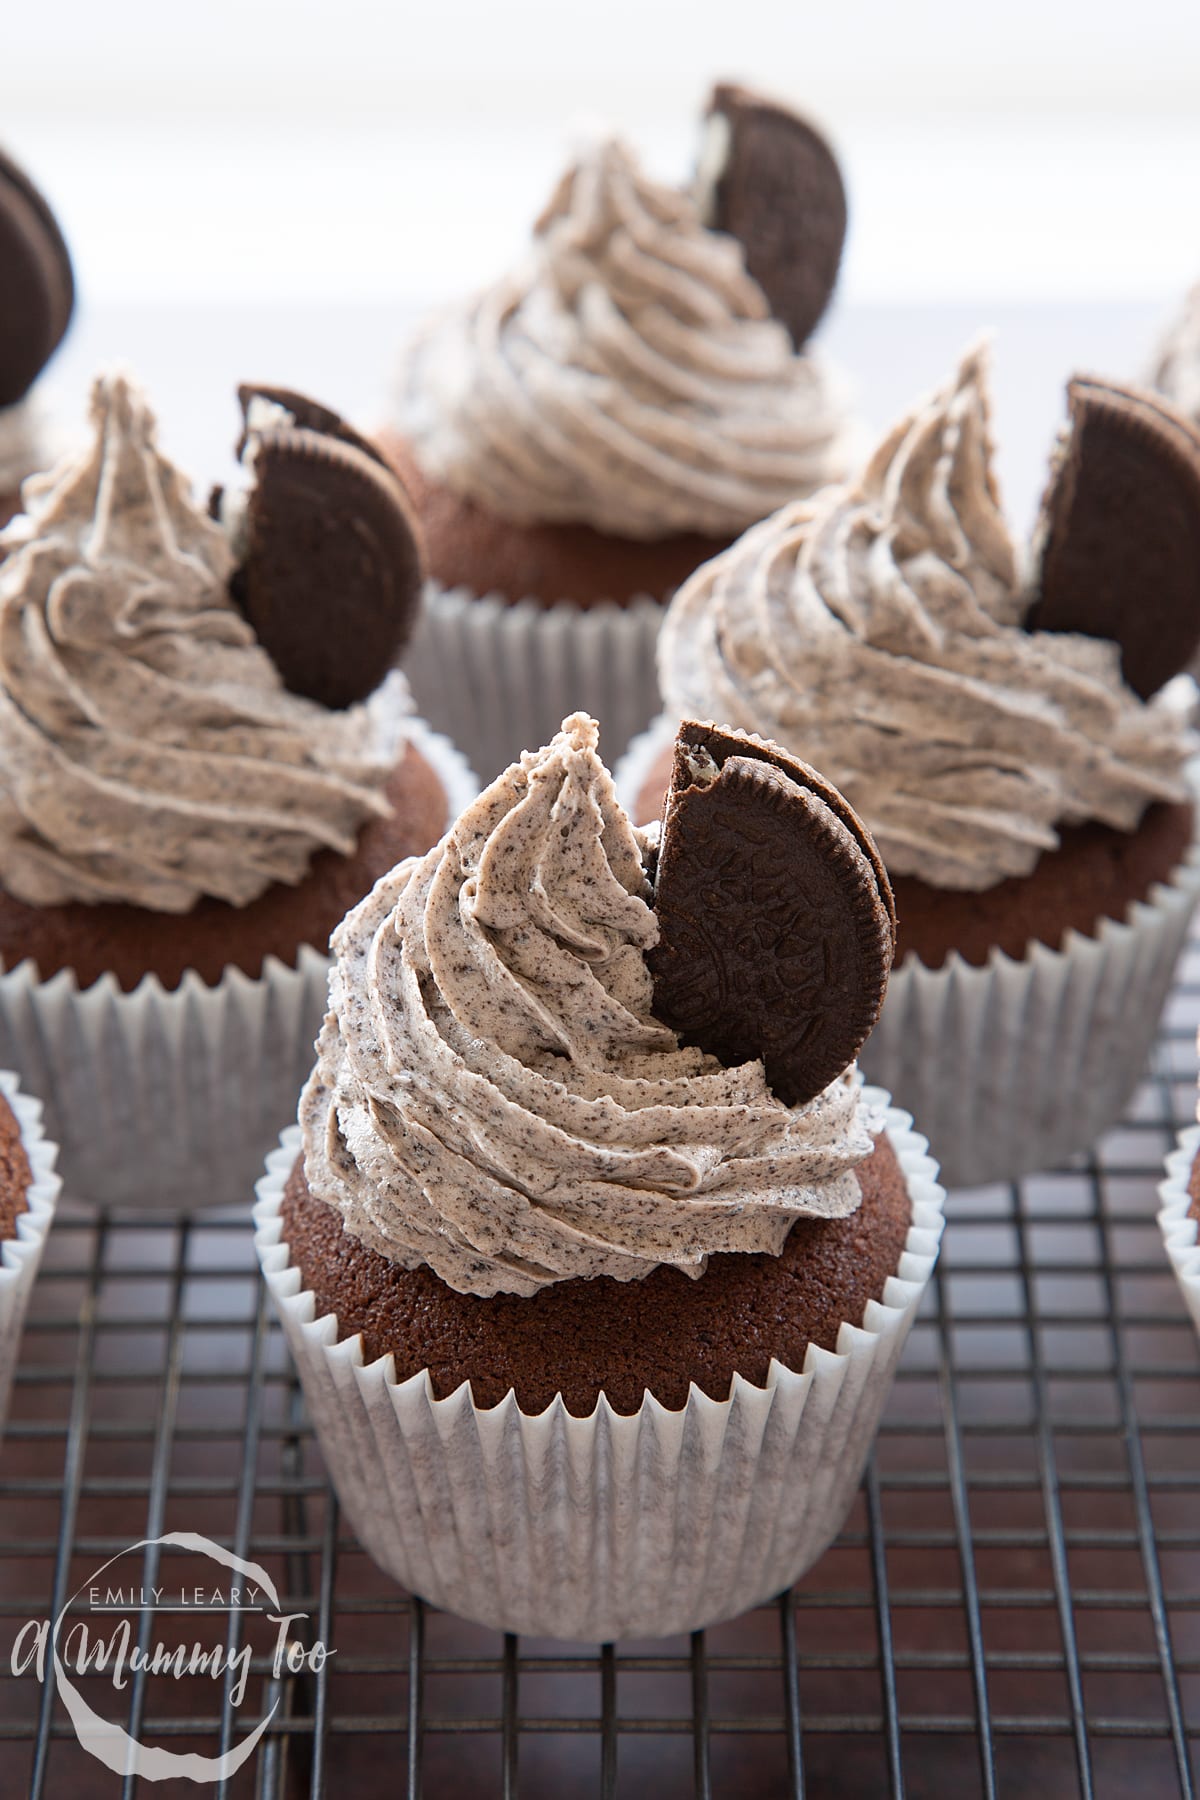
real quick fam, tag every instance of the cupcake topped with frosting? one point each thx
(633, 381)
(203, 755)
(582, 434)
(886, 632)
(496, 1093)
(149, 751)
(628, 376)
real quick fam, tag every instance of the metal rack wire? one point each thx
(1013, 1607)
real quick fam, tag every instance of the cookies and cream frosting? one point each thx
(149, 751)
(1176, 371)
(876, 632)
(628, 376)
(492, 1095)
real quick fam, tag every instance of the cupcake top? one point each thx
(877, 631)
(627, 376)
(493, 1095)
(149, 751)
(1176, 369)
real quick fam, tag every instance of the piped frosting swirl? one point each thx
(876, 633)
(149, 752)
(492, 1095)
(628, 376)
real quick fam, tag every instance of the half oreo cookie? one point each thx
(329, 567)
(37, 285)
(773, 183)
(1120, 531)
(776, 920)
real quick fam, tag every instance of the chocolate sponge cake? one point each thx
(468, 546)
(627, 1338)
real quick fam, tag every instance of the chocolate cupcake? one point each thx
(583, 434)
(179, 828)
(594, 1254)
(28, 1196)
(37, 299)
(1024, 782)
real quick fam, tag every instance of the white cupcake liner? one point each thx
(171, 1097)
(1016, 1065)
(21, 1255)
(500, 678)
(614, 1525)
(1180, 1232)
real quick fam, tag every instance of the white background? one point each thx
(347, 148)
(274, 188)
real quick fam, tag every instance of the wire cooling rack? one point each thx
(1013, 1607)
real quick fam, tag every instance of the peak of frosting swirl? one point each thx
(149, 752)
(627, 377)
(875, 632)
(492, 1095)
(1176, 370)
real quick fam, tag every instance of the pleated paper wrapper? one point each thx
(1179, 1232)
(1019, 1064)
(172, 1097)
(21, 1255)
(500, 678)
(613, 1526)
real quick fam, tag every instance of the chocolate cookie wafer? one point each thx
(1120, 531)
(330, 567)
(776, 921)
(37, 285)
(779, 191)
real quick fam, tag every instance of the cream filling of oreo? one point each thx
(23, 447)
(493, 1095)
(876, 633)
(233, 508)
(716, 142)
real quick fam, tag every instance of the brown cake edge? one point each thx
(467, 546)
(579, 1338)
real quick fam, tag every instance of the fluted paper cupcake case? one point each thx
(20, 1255)
(171, 1097)
(1016, 1065)
(612, 1526)
(1180, 1232)
(500, 678)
